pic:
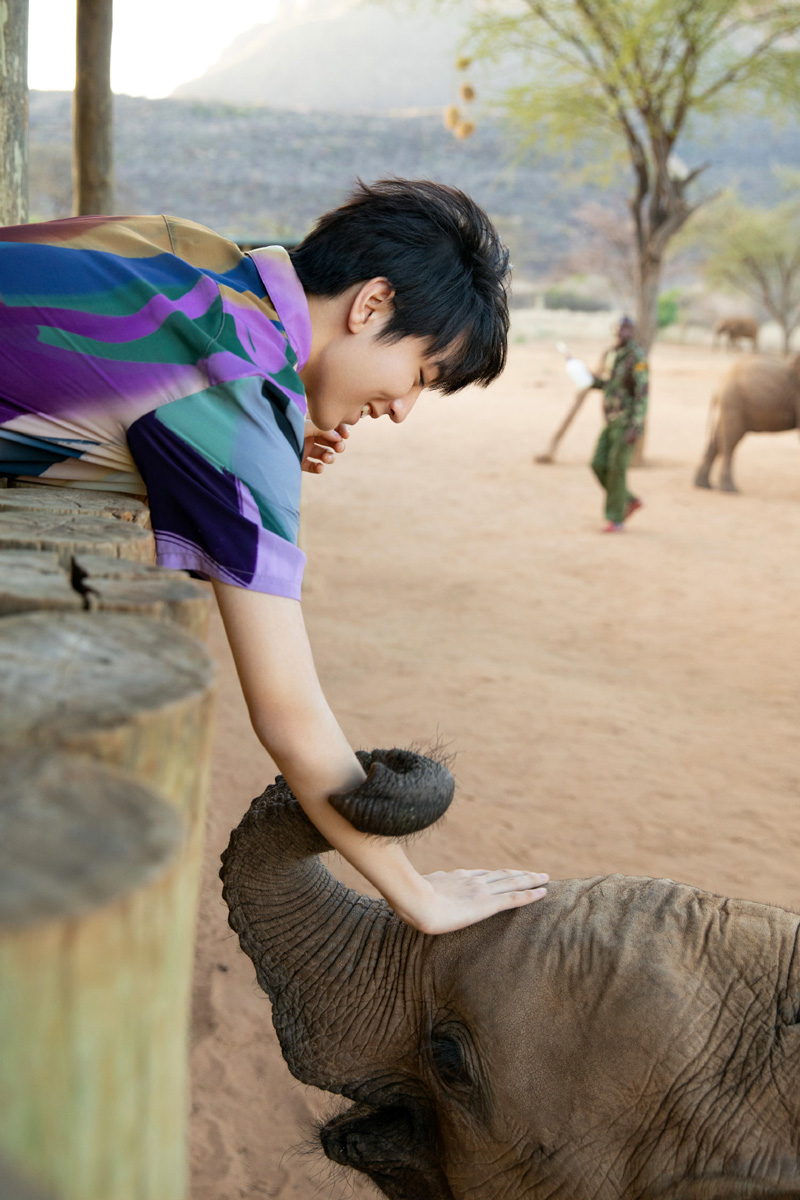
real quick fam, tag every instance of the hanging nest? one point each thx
(466, 92)
(464, 129)
(463, 63)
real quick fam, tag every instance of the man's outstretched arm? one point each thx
(293, 721)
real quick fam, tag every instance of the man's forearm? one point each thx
(321, 763)
(293, 721)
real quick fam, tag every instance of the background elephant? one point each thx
(758, 395)
(736, 329)
(623, 1037)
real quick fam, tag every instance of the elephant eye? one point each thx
(450, 1058)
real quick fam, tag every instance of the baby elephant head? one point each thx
(622, 1038)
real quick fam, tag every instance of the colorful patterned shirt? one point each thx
(626, 389)
(148, 354)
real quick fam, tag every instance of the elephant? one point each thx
(757, 395)
(736, 328)
(621, 1038)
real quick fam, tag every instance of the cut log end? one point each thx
(33, 497)
(67, 677)
(74, 835)
(68, 534)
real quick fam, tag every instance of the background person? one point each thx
(624, 406)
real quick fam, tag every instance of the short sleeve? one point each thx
(222, 472)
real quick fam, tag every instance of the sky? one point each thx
(156, 44)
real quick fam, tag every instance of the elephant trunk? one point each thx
(330, 959)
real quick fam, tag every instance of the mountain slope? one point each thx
(338, 56)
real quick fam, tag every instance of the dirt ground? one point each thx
(616, 703)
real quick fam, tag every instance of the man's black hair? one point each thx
(443, 258)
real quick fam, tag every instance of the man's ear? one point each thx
(372, 301)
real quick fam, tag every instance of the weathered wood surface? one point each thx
(69, 534)
(93, 151)
(135, 694)
(14, 1187)
(14, 112)
(35, 580)
(117, 585)
(92, 984)
(33, 497)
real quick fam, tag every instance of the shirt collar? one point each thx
(288, 298)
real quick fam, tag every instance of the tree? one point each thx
(756, 251)
(93, 151)
(14, 113)
(621, 78)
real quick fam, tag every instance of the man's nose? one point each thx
(400, 408)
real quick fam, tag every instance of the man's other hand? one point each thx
(320, 445)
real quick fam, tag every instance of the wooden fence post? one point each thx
(93, 154)
(95, 1107)
(13, 112)
(135, 694)
(89, 982)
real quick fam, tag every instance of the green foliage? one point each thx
(669, 308)
(756, 252)
(560, 297)
(622, 77)
(599, 68)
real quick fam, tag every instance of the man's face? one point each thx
(360, 376)
(624, 333)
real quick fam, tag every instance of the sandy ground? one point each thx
(624, 703)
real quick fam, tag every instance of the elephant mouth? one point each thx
(393, 1143)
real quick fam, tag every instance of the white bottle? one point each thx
(577, 370)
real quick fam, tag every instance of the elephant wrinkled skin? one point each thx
(758, 395)
(623, 1037)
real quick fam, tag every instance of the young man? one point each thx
(148, 354)
(624, 405)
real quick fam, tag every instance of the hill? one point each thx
(338, 56)
(262, 174)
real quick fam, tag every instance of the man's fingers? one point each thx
(502, 881)
(332, 438)
(520, 899)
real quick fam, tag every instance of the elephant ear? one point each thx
(403, 793)
(395, 1145)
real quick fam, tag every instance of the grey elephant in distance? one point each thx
(622, 1038)
(757, 395)
(735, 329)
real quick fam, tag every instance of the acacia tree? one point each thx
(756, 251)
(618, 80)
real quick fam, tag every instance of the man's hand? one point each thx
(632, 435)
(460, 898)
(320, 446)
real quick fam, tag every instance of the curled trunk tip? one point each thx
(403, 793)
